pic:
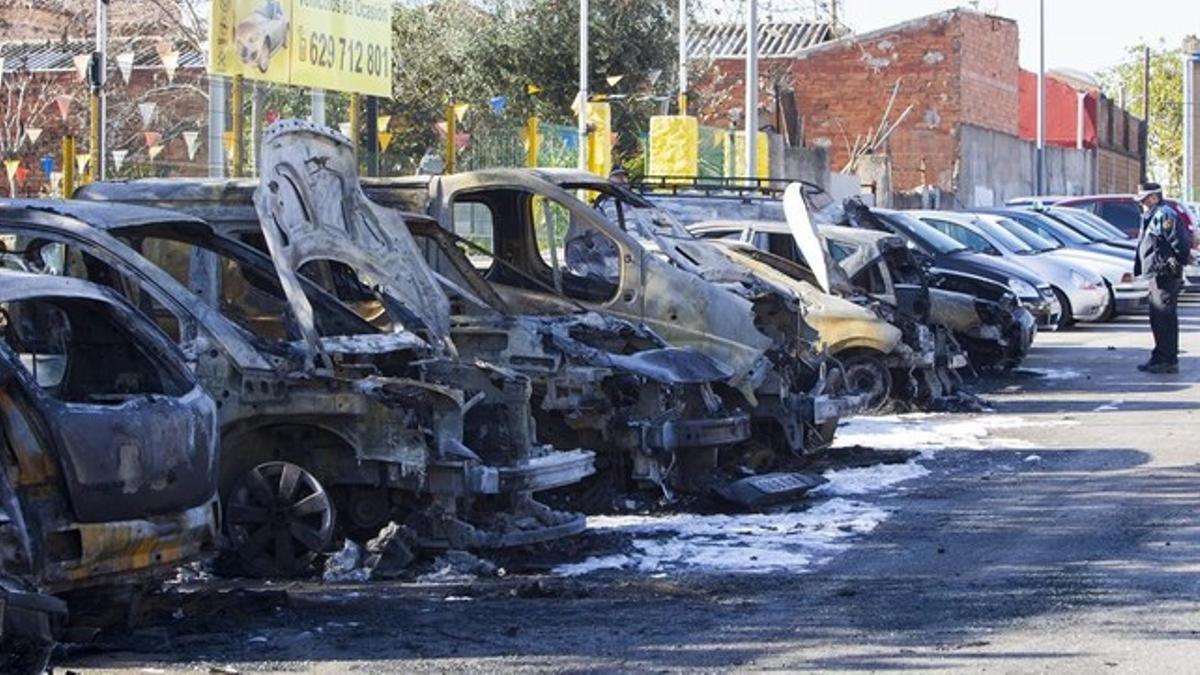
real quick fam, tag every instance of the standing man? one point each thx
(1162, 252)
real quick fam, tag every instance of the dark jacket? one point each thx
(1162, 249)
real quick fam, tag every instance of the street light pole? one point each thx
(751, 87)
(683, 58)
(583, 83)
(96, 114)
(1041, 101)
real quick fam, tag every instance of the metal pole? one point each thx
(99, 163)
(257, 100)
(1191, 115)
(355, 119)
(583, 83)
(1040, 169)
(216, 126)
(533, 142)
(1145, 136)
(751, 88)
(451, 132)
(683, 58)
(239, 128)
(68, 158)
(371, 138)
(318, 106)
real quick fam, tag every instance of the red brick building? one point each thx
(956, 110)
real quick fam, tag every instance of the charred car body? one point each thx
(887, 342)
(338, 438)
(109, 466)
(553, 244)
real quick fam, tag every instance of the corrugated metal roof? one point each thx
(56, 56)
(774, 39)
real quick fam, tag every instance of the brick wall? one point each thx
(1116, 172)
(955, 67)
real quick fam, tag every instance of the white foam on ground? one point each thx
(796, 540)
(1055, 373)
(1110, 406)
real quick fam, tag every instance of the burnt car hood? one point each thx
(311, 207)
(805, 234)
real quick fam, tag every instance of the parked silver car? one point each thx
(1081, 291)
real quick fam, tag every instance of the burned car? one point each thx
(335, 436)
(549, 244)
(888, 348)
(109, 469)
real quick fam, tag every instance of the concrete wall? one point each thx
(810, 163)
(994, 167)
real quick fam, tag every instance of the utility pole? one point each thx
(97, 74)
(1191, 120)
(1040, 180)
(683, 57)
(751, 88)
(583, 84)
(1145, 135)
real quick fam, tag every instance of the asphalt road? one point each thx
(1075, 550)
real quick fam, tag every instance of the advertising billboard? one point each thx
(341, 45)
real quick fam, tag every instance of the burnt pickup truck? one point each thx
(108, 473)
(335, 437)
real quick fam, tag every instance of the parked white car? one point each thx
(1081, 291)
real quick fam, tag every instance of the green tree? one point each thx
(1165, 161)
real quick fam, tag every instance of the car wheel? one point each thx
(867, 374)
(1067, 318)
(279, 519)
(1111, 312)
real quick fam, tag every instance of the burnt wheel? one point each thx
(868, 374)
(279, 519)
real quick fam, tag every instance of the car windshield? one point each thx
(1084, 226)
(1031, 239)
(922, 233)
(1005, 238)
(1079, 226)
(1049, 227)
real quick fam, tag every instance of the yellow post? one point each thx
(239, 149)
(355, 120)
(68, 160)
(683, 104)
(533, 142)
(94, 137)
(451, 132)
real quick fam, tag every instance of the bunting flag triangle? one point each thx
(385, 139)
(125, 65)
(10, 168)
(154, 151)
(612, 80)
(146, 110)
(653, 75)
(152, 138)
(383, 122)
(81, 65)
(33, 134)
(119, 158)
(192, 139)
(64, 101)
(81, 163)
(460, 111)
(532, 89)
(169, 58)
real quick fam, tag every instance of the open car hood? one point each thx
(311, 207)
(805, 233)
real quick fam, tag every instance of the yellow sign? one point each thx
(343, 45)
(674, 146)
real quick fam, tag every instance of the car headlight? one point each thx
(1083, 282)
(1023, 289)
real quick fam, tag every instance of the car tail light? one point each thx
(1127, 278)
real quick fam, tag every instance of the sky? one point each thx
(1090, 35)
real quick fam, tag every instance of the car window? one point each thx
(584, 261)
(841, 251)
(474, 221)
(81, 350)
(784, 246)
(1122, 214)
(963, 236)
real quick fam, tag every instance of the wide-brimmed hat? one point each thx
(1147, 189)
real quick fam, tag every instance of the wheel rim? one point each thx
(279, 518)
(869, 376)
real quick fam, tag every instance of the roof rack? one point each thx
(768, 187)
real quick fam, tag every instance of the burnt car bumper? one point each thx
(549, 471)
(1046, 311)
(682, 434)
(832, 408)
